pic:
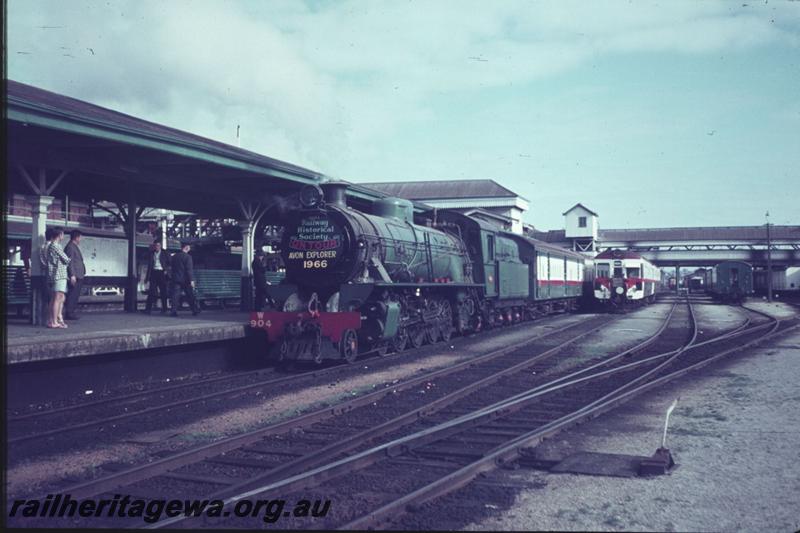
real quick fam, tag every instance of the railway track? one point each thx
(284, 449)
(575, 403)
(42, 427)
(449, 436)
(542, 342)
(547, 336)
(445, 451)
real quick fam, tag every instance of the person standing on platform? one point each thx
(183, 280)
(56, 262)
(157, 277)
(259, 280)
(47, 296)
(76, 272)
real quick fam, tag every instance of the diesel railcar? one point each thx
(731, 281)
(623, 277)
(359, 282)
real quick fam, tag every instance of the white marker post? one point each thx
(661, 461)
(666, 423)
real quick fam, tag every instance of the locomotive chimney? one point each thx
(335, 193)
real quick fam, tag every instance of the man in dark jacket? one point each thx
(259, 280)
(76, 271)
(182, 273)
(157, 266)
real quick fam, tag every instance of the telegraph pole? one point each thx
(769, 263)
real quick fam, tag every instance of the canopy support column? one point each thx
(251, 215)
(132, 282)
(39, 292)
(40, 201)
(247, 227)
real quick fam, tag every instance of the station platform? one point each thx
(116, 331)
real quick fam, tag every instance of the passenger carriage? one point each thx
(623, 277)
(731, 281)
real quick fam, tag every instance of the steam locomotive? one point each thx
(372, 282)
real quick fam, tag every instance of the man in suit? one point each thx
(182, 279)
(157, 267)
(76, 271)
(259, 280)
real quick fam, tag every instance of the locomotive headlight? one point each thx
(620, 290)
(310, 196)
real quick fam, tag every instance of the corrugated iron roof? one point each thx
(443, 189)
(24, 95)
(556, 235)
(477, 210)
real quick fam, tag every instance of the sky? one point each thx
(652, 114)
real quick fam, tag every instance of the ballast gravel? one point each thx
(734, 435)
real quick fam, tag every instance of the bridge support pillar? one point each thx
(677, 279)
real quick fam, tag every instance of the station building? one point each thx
(482, 198)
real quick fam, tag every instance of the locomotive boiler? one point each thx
(359, 282)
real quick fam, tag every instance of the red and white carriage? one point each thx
(622, 277)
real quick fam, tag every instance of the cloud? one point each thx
(324, 84)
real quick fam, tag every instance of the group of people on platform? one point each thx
(177, 272)
(65, 271)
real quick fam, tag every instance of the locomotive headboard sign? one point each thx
(315, 243)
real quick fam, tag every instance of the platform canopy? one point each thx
(59, 146)
(102, 154)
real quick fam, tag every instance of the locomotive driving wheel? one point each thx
(467, 317)
(416, 334)
(400, 340)
(432, 333)
(446, 321)
(348, 345)
(432, 328)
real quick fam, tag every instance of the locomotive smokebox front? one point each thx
(320, 248)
